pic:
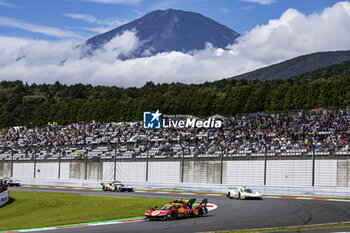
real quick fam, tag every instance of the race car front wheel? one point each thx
(200, 212)
(174, 215)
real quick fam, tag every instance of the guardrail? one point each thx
(215, 188)
(4, 198)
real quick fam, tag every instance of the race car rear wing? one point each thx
(190, 202)
(205, 202)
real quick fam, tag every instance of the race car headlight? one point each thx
(147, 214)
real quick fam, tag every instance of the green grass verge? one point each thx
(42, 209)
(48, 186)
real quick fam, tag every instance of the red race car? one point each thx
(178, 209)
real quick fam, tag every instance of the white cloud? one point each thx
(224, 10)
(263, 2)
(97, 30)
(50, 31)
(291, 35)
(4, 3)
(106, 24)
(85, 17)
(295, 34)
(132, 2)
(166, 4)
(112, 22)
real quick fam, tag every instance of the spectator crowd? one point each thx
(3, 186)
(324, 130)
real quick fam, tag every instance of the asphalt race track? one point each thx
(230, 214)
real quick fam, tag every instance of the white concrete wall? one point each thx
(244, 172)
(289, 172)
(164, 172)
(64, 170)
(46, 170)
(326, 173)
(131, 171)
(207, 172)
(108, 171)
(77, 170)
(23, 170)
(5, 168)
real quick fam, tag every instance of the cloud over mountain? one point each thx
(290, 35)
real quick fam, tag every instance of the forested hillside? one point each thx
(297, 66)
(35, 105)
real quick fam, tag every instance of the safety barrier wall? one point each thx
(196, 187)
(4, 198)
(278, 172)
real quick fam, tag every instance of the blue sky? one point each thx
(81, 19)
(39, 38)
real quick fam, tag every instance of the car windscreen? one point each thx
(248, 191)
(167, 207)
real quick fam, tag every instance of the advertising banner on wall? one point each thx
(4, 198)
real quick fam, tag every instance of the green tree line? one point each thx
(35, 105)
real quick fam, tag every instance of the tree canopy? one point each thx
(37, 104)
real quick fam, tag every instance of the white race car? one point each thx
(10, 182)
(117, 186)
(243, 193)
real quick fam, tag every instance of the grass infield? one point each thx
(41, 209)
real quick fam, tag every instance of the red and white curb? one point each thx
(78, 225)
(308, 198)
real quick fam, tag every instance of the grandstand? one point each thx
(321, 133)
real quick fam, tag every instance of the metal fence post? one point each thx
(34, 164)
(313, 166)
(222, 165)
(147, 165)
(59, 165)
(265, 165)
(115, 164)
(98, 168)
(86, 156)
(183, 165)
(12, 163)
